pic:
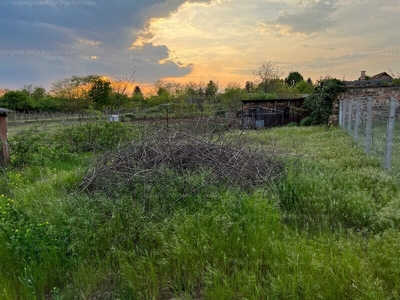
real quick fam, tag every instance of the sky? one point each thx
(42, 41)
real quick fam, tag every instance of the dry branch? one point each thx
(227, 158)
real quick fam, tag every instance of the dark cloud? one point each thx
(100, 34)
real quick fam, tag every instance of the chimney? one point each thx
(362, 75)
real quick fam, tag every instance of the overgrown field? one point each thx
(108, 211)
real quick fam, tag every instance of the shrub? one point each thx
(292, 124)
(94, 136)
(307, 121)
(36, 149)
(319, 103)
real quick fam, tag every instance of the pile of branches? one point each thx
(225, 158)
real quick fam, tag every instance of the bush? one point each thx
(36, 149)
(319, 103)
(292, 124)
(94, 136)
(307, 121)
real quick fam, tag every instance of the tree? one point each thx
(72, 93)
(28, 89)
(16, 100)
(100, 93)
(211, 89)
(38, 93)
(194, 94)
(232, 96)
(293, 78)
(303, 87)
(267, 73)
(137, 90)
(120, 88)
(249, 87)
(309, 81)
(138, 99)
(319, 103)
(49, 103)
(74, 87)
(274, 86)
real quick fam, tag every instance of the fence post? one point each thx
(344, 112)
(340, 112)
(357, 123)
(368, 137)
(389, 133)
(2, 157)
(349, 116)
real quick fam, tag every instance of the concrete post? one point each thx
(389, 133)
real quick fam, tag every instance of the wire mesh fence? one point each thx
(374, 124)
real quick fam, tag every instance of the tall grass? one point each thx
(328, 230)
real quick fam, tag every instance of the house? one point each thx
(4, 151)
(382, 76)
(277, 111)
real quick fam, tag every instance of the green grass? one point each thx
(329, 229)
(378, 144)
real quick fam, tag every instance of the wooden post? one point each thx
(4, 153)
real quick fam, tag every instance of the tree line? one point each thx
(79, 93)
(82, 92)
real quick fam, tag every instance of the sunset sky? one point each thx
(195, 40)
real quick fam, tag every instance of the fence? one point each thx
(374, 124)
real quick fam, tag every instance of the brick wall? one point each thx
(379, 94)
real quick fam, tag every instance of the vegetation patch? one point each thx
(146, 167)
(200, 221)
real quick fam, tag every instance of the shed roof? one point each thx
(3, 111)
(279, 98)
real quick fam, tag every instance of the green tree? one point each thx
(211, 89)
(38, 93)
(17, 100)
(303, 87)
(100, 93)
(249, 87)
(293, 78)
(230, 99)
(319, 103)
(49, 103)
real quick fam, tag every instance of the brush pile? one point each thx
(226, 159)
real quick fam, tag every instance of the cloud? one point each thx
(192, 39)
(149, 52)
(90, 42)
(306, 19)
(100, 34)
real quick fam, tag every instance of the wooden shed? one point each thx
(278, 111)
(4, 151)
